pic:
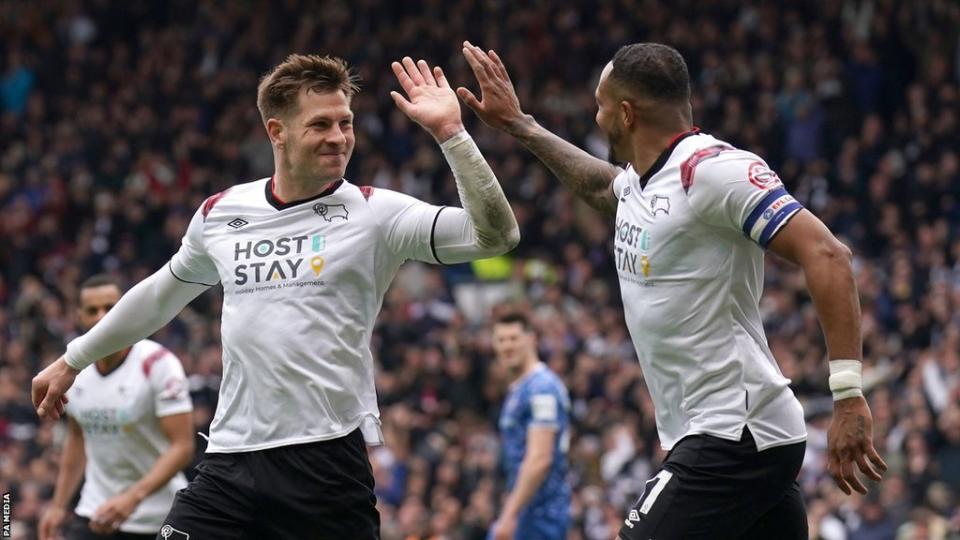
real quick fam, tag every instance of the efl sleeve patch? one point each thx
(171, 390)
(544, 408)
(770, 215)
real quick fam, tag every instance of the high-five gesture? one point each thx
(589, 177)
(430, 101)
(498, 105)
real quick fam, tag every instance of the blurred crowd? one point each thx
(118, 118)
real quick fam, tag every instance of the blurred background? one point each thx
(118, 118)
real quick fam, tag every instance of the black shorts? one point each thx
(315, 491)
(715, 489)
(79, 529)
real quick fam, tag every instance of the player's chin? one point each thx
(332, 171)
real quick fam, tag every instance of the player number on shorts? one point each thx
(662, 478)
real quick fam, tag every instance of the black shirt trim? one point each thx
(665, 155)
(114, 368)
(280, 205)
(433, 232)
(178, 278)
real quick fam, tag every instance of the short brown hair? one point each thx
(278, 90)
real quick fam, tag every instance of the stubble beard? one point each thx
(613, 139)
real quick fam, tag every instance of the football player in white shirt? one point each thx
(129, 434)
(304, 258)
(693, 218)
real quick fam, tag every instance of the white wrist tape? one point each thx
(845, 379)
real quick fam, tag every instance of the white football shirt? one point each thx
(302, 284)
(118, 413)
(689, 252)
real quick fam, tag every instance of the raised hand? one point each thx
(430, 101)
(850, 442)
(498, 105)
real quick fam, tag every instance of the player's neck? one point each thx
(289, 188)
(109, 363)
(527, 369)
(649, 144)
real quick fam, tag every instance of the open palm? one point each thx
(430, 101)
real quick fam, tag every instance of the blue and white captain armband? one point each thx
(846, 380)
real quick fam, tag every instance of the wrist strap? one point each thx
(846, 380)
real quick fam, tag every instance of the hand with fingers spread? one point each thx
(849, 443)
(49, 389)
(498, 105)
(430, 101)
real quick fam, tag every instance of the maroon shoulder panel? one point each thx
(152, 359)
(211, 202)
(688, 166)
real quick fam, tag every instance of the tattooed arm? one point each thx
(588, 177)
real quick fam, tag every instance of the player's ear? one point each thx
(276, 132)
(628, 113)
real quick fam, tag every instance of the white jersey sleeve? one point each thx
(140, 312)
(737, 190)
(191, 263)
(622, 181)
(407, 223)
(424, 232)
(169, 385)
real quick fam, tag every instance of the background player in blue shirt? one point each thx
(534, 427)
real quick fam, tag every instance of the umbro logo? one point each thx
(626, 192)
(237, 223)
(634, 516)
